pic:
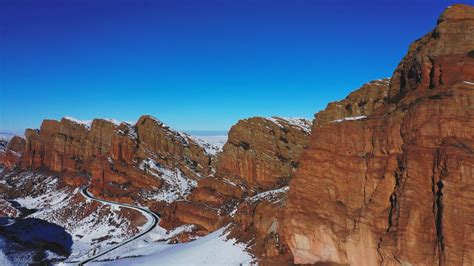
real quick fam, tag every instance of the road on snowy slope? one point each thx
(150, 215)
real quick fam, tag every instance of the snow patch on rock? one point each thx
(298, 122)
(177, 185)
(351, 118)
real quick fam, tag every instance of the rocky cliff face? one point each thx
(252, 175)
(262, 154)
(383, 176)
(395, 187)
(11, 152)
(125, 162)
(362, 102)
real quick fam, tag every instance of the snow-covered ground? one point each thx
(152, 220)
(93, 227)
(213, 249)
(212, 144)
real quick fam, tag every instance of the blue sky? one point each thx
(199, 65)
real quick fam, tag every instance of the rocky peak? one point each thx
(440, 58)
(113, 153)
(386, 189)
(362, 102)
(11, 151)
(170, 147)
(262, 153)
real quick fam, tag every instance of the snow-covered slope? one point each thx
(92, 226)
(213, 249)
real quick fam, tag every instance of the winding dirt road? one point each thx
(148, 214)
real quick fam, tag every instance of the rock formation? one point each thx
(250, 184)
(396, 187)
(362, 102)
(384, 176)
(115, 155)
(11, 151)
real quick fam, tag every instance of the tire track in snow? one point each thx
(148, 214)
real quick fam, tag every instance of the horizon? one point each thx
(196, 66)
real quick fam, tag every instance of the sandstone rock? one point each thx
(171, 148)
(362, 102)
(395, 188)
(112, 155)
(261, 153)
(11, 152)
(259, 221)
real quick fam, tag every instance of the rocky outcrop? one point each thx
(8, 210)
(259, 221)
(395, 187)
(362, 102)
(11, 152)
(171, 148)
(250, 184)
(262, 153)
(112, 154)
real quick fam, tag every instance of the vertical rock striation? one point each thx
(396, 187)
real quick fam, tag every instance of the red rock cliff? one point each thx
(11, 152)
(396, 187)
(116, 155)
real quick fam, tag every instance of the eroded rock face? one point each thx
(362, 102)
(259, 221)
(171, 148)
(11, 152)
(260, 155)
(263, 153)
(112, 155)
(395, 187)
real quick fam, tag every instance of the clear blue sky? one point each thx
(200, 65)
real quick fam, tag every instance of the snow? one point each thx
(213, 249)
(178, 186)
(211, 144)
(113, 121)
(6, 136)
(129, 130)
(86, 123)
(87, 228)
(298, 122)
(152, 219)
(269, 194)
(217, 140)
(10, 134)
(468, 82)
(3, 260)
(351, 118)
